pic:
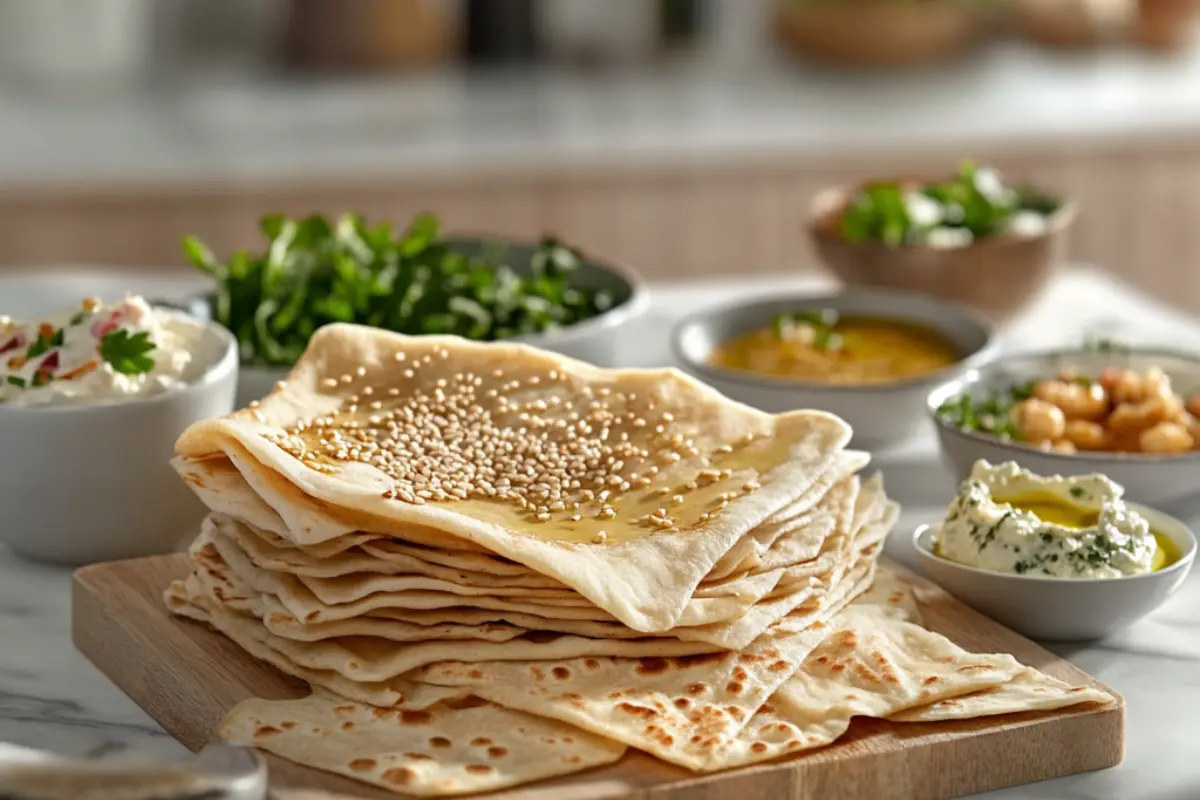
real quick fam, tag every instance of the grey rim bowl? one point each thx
(93, 482)
(1170, 482)
(1063, 609)
(596, 340)
(881, 415)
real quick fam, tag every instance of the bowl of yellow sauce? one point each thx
(869, 356)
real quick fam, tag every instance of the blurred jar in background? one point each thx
(369, 35)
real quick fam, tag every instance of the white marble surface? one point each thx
(219, 124)
(51, 697)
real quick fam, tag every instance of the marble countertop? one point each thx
(218, 124)
(51, 697)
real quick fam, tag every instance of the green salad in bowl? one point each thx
(316, 270)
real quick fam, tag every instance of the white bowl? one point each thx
(87, 483)
(1063, 609)
(881, 415)
(1163, 481)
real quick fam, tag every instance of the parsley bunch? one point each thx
(315, 271)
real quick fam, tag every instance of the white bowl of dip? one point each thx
(1063, 609)
(84, 481)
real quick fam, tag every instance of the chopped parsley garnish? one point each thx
(13, 380)
(1076, 491)
(822, 322)
(992, 415)
(127, 354)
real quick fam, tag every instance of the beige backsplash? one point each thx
(1140, 220)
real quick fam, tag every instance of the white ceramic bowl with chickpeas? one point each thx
(1128, 414)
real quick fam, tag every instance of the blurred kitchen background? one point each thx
(682, 137)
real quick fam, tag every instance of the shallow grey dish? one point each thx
(881, 415)
(595, 340)
(1063, 609)
(1168, 482)
(87, 483)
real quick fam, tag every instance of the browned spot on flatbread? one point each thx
(538, 674)
(779, 666)
(312, 616)
(561, 673)
(400, 776)
(703, 659)
(637, 711)
(758, 747)
(976, 668)
(362, 764)
(287, 726)
(930, 681)
(652, 666)
(475, 675)
(740, 674)
(348, 725)
(480, 741)
(478, 769)
(345, 709)
(497, 752)
(592, 663)
(571, 759)
(682, 703)
(266, 730)
(439, 742)
(697, 688)
(734, 687)
(416, 717)
(383, 713)
(418, 757)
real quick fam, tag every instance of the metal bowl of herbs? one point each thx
(978, 415)
(969, 238)
(419, 281)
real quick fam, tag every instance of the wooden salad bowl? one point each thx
(998, 276)
(877, 33)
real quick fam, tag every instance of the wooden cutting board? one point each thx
(186, 677)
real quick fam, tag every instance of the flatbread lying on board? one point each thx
(1030, 690)
(643, 574)
(439, 751)
(678, 709)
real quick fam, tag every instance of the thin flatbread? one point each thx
(440, 751)
(1030, 690)
(643, 574)
(681, 710)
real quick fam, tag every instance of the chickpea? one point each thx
(1138, 416)
(1193, 405)
(1165, 437)
(1086, 435)
(1123, 385)
(1077, 400)
(1038, 420)
(1155, 383)
(1062, 446)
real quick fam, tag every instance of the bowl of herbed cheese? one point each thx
(91, 402)
(1055, 558)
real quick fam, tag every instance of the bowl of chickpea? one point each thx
(1133, 415)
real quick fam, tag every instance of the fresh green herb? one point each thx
(821, 321)
(78, 317)
(1076, 491)
(45, 343)
(974, 201)
(1102, 345)
(315, 271)
(127, 354)
(13, 380)
(991, 415)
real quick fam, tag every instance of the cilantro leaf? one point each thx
(127, 354)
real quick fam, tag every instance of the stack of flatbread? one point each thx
(495, 565)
